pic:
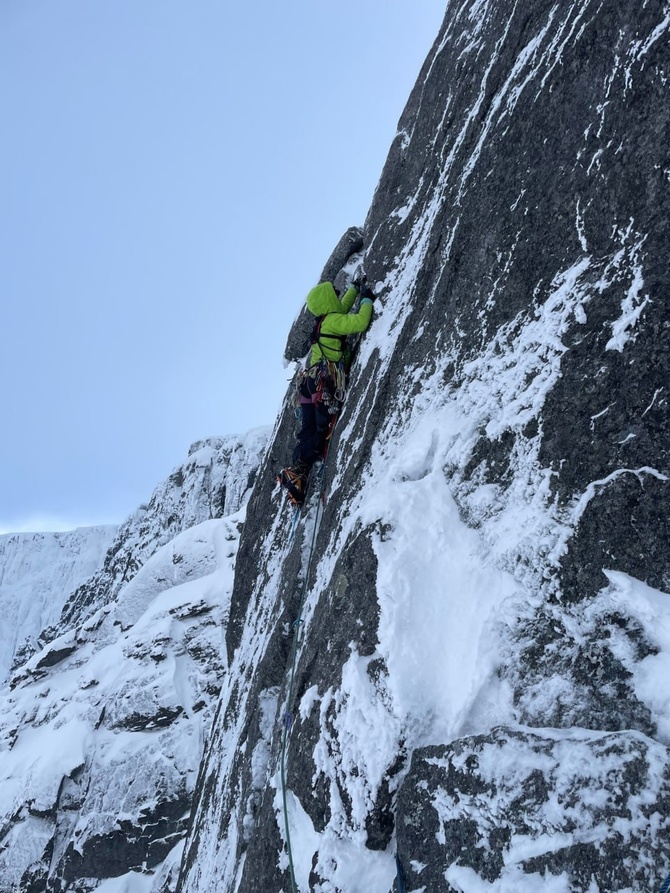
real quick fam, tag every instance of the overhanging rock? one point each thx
(346, 250)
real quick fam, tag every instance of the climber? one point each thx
(321, 384)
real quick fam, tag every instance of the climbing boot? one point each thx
(294, 481)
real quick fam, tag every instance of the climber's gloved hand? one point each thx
(366, 292)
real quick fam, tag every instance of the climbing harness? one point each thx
(288, 716)
(325, 382)
(316, 338)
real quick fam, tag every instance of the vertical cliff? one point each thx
(483, 627)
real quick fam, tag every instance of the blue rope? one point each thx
(288, 716)
(400, 875)
(665, 886)
(287, 719)
(294, 525)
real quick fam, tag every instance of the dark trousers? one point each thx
(314, 428)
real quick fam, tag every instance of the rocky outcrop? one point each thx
(465, 819)
(480, 602)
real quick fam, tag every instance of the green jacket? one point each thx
(323, 300)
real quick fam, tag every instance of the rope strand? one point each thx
(288, 717)
(400, 875)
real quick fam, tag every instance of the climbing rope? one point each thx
(400, 875)
(288, 717)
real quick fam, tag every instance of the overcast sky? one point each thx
(173, 176)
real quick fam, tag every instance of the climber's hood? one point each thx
(322, 299)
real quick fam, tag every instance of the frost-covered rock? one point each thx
(515, 806)
(38, 571)
(477, 698)
(102, 729)
(489, 573)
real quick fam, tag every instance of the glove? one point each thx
(359, 281)
(366, 292)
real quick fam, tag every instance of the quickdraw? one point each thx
(331, 383)
(325, 382)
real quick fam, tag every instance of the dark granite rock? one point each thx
(351, 243)
(569, 671)
(503, 803)
(551, 163)
(129, 846)
(53, 656)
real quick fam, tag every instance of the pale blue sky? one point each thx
(173, 175)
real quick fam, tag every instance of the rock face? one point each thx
(481, 608)
(102, 730)
(549, 201)
(503, 803)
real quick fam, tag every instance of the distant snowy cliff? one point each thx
(212, 483)
(38, 571)
(103, 728)
(480, 694)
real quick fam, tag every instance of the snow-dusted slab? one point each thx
(535, 811)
